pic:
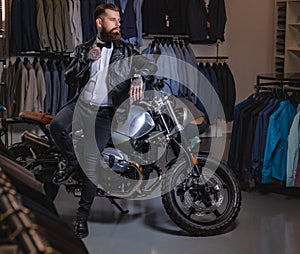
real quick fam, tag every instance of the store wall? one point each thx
(249, 41)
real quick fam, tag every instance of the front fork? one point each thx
(195, 174)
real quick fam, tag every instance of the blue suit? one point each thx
(260, 136)
(87, 18)
(234, 133)
(55, 88)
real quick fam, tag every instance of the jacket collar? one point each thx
(89, 44)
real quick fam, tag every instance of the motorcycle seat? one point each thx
(37, 116)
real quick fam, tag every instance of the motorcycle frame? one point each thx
(162, 104)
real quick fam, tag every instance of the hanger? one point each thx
(155, 46)
(26, 60)
(18, 60)
(35, 60)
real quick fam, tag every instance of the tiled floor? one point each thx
(267, 224)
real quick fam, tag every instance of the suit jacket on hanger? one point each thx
(154, 20)
(42, 26)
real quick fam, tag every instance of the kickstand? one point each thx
(113, 201)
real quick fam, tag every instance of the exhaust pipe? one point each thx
(29, 136)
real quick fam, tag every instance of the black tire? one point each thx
(22, 154)
(204, 220)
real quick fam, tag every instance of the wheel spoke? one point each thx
(216, 212)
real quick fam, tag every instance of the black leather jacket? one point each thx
(124, 63)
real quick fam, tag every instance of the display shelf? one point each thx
(294, 50)
(280, 34)
(286, 36)
(297, 25)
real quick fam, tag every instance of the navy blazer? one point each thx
(24, 35)
(197, 21)
(206, 25)
(217, 20)
(87, 18)
(154, 19)
(16, 27)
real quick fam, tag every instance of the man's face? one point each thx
(109, 26)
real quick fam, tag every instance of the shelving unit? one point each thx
(287, 37)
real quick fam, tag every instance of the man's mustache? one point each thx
(117, 29)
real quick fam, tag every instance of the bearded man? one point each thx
(107, 72)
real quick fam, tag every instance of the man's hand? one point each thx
(136, 88)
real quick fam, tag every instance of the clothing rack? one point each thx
(279, 85)
(273, 86)
(43, 54)
(288, 82)
(169, 36)
(217, 57)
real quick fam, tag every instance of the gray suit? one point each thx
(67, 35)
(30, 99)
(41, 86)
(42, 26)
(58, 28)
(48, 8)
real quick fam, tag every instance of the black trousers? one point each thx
(91, 126)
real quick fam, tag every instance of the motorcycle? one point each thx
(200, 194)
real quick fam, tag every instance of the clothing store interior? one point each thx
(230, 185)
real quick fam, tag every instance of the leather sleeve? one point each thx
(78, 69)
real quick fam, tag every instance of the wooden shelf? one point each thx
(294, 51)
(296, 25)
(286, 57)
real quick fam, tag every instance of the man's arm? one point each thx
(142, 69)
(78, 69)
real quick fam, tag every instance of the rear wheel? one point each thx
(38, 160)
(21, 153)
(201, 205)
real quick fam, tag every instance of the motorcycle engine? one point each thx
(140, 144)
(115, 159)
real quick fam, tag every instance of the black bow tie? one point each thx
(102, 45)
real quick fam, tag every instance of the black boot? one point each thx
(62, 175)
(81, 228)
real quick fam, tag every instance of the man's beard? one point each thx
(109, 36)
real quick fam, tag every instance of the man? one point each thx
(107, 71)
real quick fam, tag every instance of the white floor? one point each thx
(267, 224)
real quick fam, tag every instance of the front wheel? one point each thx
(205, 204)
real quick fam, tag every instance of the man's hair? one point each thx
(100, 9)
